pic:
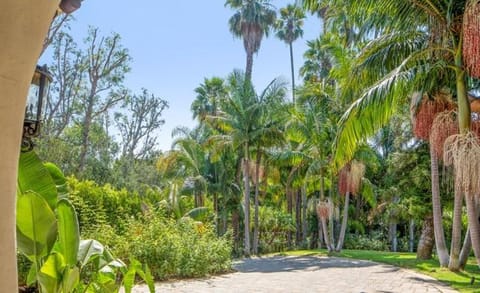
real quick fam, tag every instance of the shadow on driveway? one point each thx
(295, 263)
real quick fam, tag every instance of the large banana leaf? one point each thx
(36, 225)
(89, 249)
(56, 276)
(68, 231)
(34, 176)
(58, 178)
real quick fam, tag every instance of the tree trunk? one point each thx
(474, 225)
(23, 27)
(425, 244)
(466, 249)
(236, 231)
(329, 245)
(215, 212)
(393, 236)
(298, 218)
(304, 215)
(440, 244)
(331, 222)
(411, 235)
(320, 234)
(87, 122)
(246, 182)
(257, 191)
(343, 229)
(292, 67)
(249, 67)
(454, 263)
(290, 202)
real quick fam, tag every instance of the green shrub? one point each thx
(103, 205)
(274, 226)
(183, 248)
(374, 241)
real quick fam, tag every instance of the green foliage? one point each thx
(274, 226)
(178, 249)
(374, 241)
(50, 238)
(103, 205)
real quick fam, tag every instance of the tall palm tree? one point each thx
(289, 29)
(419, 49)
(241, 121)
(252, 20)
(269, 135)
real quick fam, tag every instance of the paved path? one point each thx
(308, 274)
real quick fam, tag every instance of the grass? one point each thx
(457, 280)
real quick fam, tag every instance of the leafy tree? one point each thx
(68, 75)
(138, 124)
(106, 63)
(252, 20)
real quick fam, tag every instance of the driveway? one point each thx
(308, 274)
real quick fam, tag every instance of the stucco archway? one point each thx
(23, 26)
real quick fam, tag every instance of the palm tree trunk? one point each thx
(325, 234)
(290, 202)
(437, 212)
(257, 191)
(393, 236)
(425, 244)
(320, 234)
(473, 225)
(249, 67)
(298, 218)
(411, 235)
(304, 214)
(466, 249)
(236, 231)
(331, 222)
(292, 68)
(343, 229)
(454, 263)
(246, 182)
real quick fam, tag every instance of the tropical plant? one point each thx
(241, 121)
(289, 29)
(209, 95)
(417, 46)
(48, 235)
(252, 20)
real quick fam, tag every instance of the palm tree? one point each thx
(251, 21)
(419, 49)
(187, 158)
(269, 135)
(209, 94)
(289, 28)
(241, 119)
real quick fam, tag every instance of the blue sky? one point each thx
(176, 44)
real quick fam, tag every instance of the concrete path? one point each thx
(308, 274)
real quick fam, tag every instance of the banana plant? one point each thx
(48, 235)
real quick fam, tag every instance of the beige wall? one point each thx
(23, 26)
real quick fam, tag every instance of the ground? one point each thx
(308, 274)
